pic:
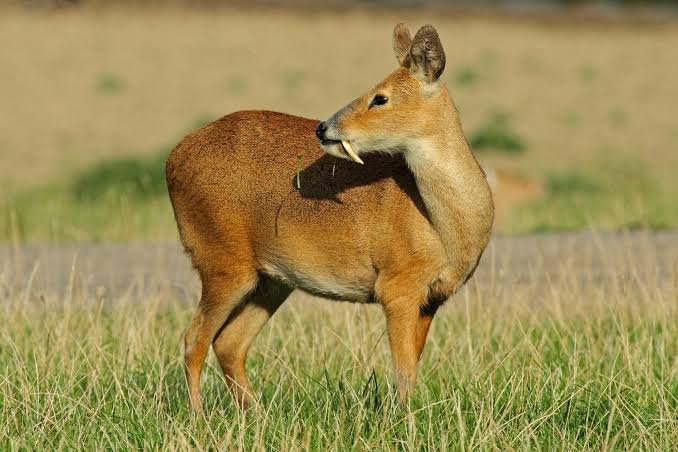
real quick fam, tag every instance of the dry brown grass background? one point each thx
(77, 86)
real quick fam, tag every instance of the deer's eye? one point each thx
(378, 99)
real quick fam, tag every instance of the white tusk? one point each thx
(351, 153)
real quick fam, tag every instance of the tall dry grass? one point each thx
(561, 362)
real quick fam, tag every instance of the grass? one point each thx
(587, 73)
(292, 80)
(569, 182)
(107, 83)
(237, 84)
(586, 367)
(496, 134)
(537, 111)
(620, 195)
(116, 199)
(131, 176)
(466, 76)
(55, 214)
(556, 363)
(110, 84)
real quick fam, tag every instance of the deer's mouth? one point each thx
(346, 147)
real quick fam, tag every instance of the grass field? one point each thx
(587, 110)
(549, 364)
(542, 353)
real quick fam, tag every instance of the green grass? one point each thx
(122, 199)
(110, 84)
(568, 182)
(55, 214)
(293, 79)
(602, 196)
(132, 176)
(618, 117)
(466, 76)
(588, 73)
(584, 368)
(237, 85)
(496, 134)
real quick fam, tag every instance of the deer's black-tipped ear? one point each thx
(427, 54)
(401, 42)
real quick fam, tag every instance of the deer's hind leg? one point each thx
(233, 341)
(423, 325)
(222, 292)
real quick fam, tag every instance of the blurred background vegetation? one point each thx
(569, 103)
(520, 4)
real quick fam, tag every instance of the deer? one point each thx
(381, 203)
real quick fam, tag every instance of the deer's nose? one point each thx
(320, 131)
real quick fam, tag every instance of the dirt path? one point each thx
(140, 269)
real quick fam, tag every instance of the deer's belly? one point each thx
(321, 275)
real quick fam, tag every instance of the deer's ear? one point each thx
(427, 54)
(401, 42)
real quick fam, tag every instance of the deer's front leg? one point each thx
(403, 327)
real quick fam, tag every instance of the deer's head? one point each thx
(403, 108)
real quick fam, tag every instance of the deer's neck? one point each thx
(454, 190)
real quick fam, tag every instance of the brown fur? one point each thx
(261, 209)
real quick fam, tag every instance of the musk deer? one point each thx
(383, 202)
